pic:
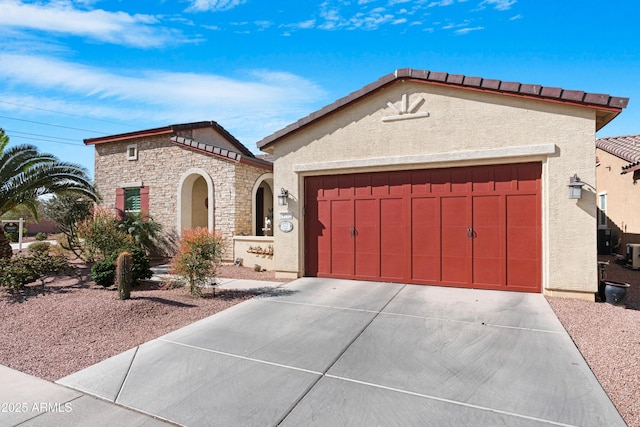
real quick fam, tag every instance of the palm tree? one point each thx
(26, 175)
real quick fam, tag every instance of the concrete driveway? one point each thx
(332, 352)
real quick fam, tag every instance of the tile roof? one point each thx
(610, 105)
(625, 147)
(211, 149)
(169, 130)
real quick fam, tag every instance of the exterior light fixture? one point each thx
(282, 197)
(575, 187)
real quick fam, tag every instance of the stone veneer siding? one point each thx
(160, 166)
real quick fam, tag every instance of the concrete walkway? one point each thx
(331, 352)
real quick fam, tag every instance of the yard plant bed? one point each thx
(608, 337)
(72, 324)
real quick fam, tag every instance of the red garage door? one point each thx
(469, 227)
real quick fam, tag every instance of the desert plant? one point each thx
(198, 257)
(102, 236)
(39, 247)
(19, 271)
(140, 267)
(68, 211)
(145, 232)
(103, 272)
(40, 236)
(124, 278)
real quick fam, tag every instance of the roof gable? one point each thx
(172, 130)
(608, 107)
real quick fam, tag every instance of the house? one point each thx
(186, 176)
(434, 178)
(618, 192)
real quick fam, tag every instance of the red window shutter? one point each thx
(144, 200)
(120, 203)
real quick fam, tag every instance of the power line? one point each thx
(66, 114)
(50, 124)
(37, 134)
(48, 140)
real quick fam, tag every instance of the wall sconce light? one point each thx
(575, 187)
(282, 197)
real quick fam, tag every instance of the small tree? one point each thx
(68, 211)
(145, 232)
(198, 257)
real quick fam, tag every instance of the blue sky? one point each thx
(75, 69)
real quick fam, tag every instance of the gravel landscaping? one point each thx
(71, 324)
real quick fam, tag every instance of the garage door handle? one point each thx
(352, 231)
(470, 233)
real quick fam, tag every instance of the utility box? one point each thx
(633, 255)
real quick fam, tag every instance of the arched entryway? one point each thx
(195, 200)
(262, 206)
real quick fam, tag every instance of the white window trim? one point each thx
(602, 213)
(132, 155)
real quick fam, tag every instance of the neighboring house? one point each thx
(435, 178)
(185, 176)
(618, 191)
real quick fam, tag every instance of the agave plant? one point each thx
(26, 175)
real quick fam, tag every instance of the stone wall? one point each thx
(160, 165)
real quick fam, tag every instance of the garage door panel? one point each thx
(523, 274)
(426, 268)
(487, 271)
(470, 226)
(341, 240)
(367, 238)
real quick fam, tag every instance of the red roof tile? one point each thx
(611, 105)
(624, 147)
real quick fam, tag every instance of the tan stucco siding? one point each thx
(623, 197)
(463, 128)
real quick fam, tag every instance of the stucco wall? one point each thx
(464, 127)
(623, 197)
(161, 165)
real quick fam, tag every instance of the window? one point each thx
(132, 152)
(132, 197)
(132, 200)
(602, 210)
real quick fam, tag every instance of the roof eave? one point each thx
(612, 106)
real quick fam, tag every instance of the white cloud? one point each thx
(62, 17)
(467, 30)
(497, 4)
(270, 99)
(441, 3)
(516, 17)
(214, 5)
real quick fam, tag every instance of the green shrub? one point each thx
(16, 272)
(39, 247)
(19, 271)
(141, 268)
(41, 236)
(104, 272)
